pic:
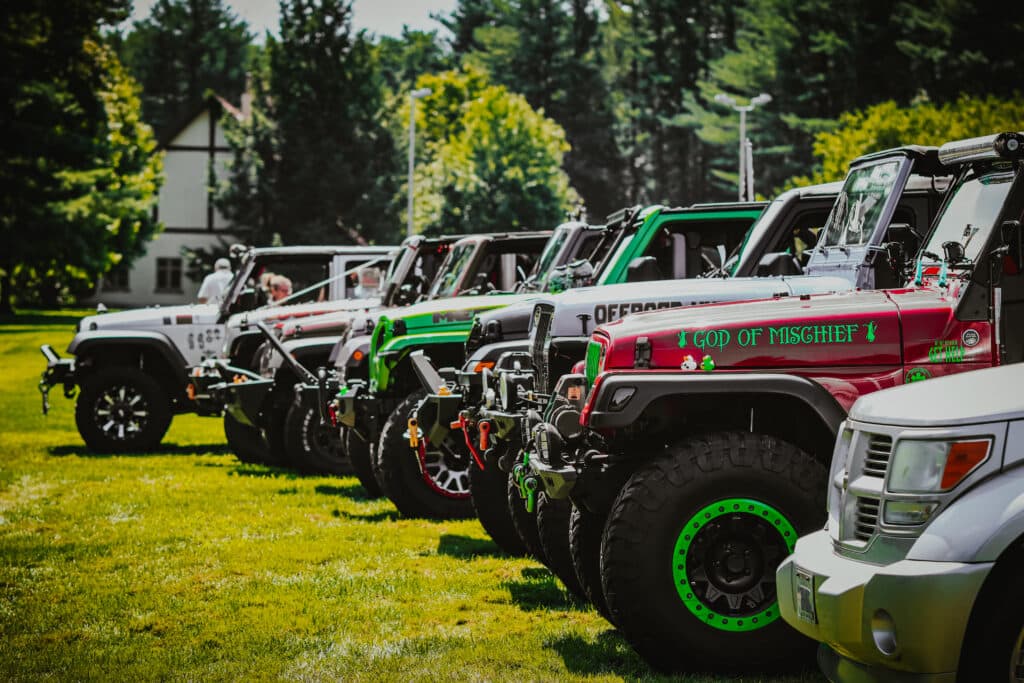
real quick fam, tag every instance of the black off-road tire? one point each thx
(122, 410)
(247, 443)
(414, 493)
(553, 530)
(308, 447)
(361, 458)
(489, 490)
(995, 631)
(585, 531)
(524, 522)
(701, 531)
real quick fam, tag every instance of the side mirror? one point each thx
(1013, 242)
(643, 269)
(905, 235)
(778, 263)
(245, 301)
(952, 252)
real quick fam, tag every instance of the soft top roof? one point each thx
(311, 250)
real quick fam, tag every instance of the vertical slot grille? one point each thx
(867, 518)
(876, 459)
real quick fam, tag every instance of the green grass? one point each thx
(185, 564)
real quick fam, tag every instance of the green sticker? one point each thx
(917, 375)
(707, 364)
(870, 336)
(946, 351)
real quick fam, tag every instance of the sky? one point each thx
(383, 17)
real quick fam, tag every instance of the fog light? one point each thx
(898, 512)
(883, 630)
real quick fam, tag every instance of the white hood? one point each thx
(152, 317)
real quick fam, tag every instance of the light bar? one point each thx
(999, 146)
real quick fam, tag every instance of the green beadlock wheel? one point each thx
(722, 558)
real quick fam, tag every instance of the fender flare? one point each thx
(649, 387)
(92, 342)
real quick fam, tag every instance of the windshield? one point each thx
(972, 208)
(863, 202)
(551, 250)
(755, 234)
(454, 266)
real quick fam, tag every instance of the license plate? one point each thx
(805, 596)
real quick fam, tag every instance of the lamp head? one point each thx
(422, 92)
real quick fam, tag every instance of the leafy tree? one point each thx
(491, 161)
(547, 51)
(402, 60)
(888, 125)
(315, 163)
(184, 49)
(78, 166)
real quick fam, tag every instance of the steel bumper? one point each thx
(243, 397)
(928, 605)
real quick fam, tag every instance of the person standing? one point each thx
(216, 283)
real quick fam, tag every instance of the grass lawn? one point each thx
(186, 564)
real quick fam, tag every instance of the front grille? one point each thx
(876, 459)
(867, 518)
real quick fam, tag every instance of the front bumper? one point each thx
(928, 606)
(243, 396)
(58, 371)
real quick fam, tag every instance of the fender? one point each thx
(303, 350)
(87, 343)
(648, 387)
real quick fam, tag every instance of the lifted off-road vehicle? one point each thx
(916, 575)
(409, 274)
(430, 477)
(695, 447)
(271, 397)
(132, 367)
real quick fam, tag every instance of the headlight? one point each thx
(925, 466)
(596, 353)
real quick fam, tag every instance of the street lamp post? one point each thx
(413, 96)
(746, 178)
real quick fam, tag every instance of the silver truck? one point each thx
(916, 576)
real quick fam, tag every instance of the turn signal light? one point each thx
(963, 457)
(483, 365)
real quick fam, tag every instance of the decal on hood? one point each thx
(783, 335)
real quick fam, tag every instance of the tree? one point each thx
(888, 125)
(315, 163)
(78, 166)
(402, 60)
(184, 49)
(547, 51)
(491, 162)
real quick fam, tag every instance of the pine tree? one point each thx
(183, 50)
(315, 163)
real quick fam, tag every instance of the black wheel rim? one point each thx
(121, 412)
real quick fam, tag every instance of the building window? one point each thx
(116, 280)
(168, 275)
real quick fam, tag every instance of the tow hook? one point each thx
(485, 430)
(527, 483)
(44, 389)
(414, 433)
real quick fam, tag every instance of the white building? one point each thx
(193, 151)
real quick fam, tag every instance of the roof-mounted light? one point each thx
(999, 146)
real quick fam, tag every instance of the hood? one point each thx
(579, 311)
(967, 398)
(334, 324)
(156, 316)
(272, 314)
(457, 312)
(851, 328)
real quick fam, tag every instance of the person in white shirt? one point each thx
(216, 283)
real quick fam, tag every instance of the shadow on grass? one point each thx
(609, 653)
(84, 451)
(382, 516)
(244, 469)
(353, 491)
(467, 547)
(539, 589)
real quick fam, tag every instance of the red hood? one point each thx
(853, 328)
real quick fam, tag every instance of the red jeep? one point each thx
(696, 447)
